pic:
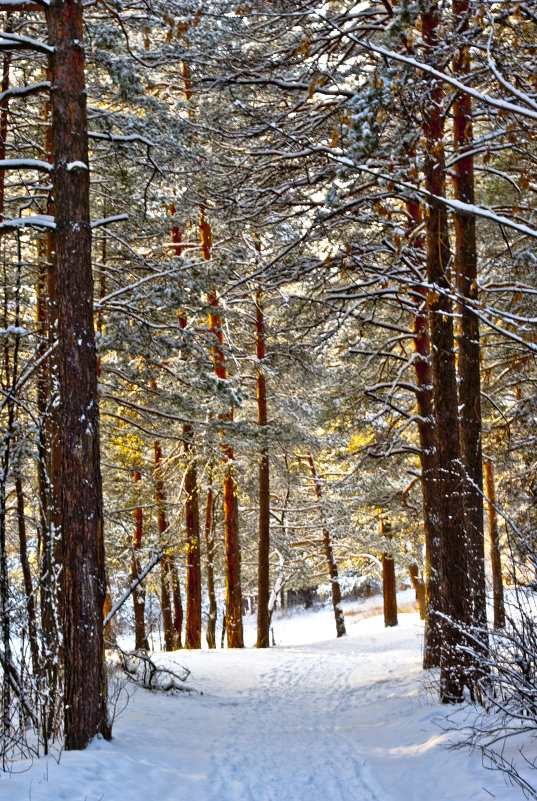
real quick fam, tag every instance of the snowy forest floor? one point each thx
(315, 719)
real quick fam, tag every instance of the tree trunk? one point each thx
(166, 589)
(495, 555)
(469, 365)
(27, 579)
(454, 565)
(193, 561)
(49, 457)
(389, 591)
(138, 594)
(429, 486)
(263, 574)
(329, 555)
(231, 522)
(424, 399)
(419, 588)
(80, 476)
(5, 604)
(210, 632)
(177, 602)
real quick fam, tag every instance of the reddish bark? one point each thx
(231, 524)
(80, 510)
(211, 549)
(193, 559)
(389, 590)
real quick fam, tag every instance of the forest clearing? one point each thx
(314, 718)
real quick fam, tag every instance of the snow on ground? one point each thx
(315, 719)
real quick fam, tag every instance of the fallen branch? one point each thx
(138, 580)
(141, 669)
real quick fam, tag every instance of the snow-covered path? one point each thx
(326, 720)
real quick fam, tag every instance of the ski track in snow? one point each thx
(321, 720)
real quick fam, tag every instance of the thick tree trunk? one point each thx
(80, 476)
(329, 554)
(495, 554)
(263, 565)
(210, 545)
(454, 565)
(231, 522)
(469, 365)
(138, 594)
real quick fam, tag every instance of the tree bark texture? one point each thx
(27, 578)
(495, 553)
(48, 452)
(193, 562)
(192, 515)
(178, 613)
(263, 567)
(166, 586)
(425, 403)
(231, 523)
(210, 632)
(419, 588)
(329, 554)
(449, 517)
(138, 593)
(5, 616)
(80, 511)
(389, 590)
(469, 365)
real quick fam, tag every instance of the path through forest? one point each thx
(322, 720)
